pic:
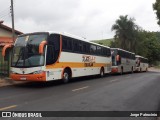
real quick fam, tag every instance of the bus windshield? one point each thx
(26, 51)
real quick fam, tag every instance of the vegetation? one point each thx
(131, 37)
(106, 42)
(125, 33)
(149, 46)
(156, 7)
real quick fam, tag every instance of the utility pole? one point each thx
(12, 15)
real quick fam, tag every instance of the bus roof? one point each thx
(68, 35)
(138, 56)
(122, 50)
(76, 37)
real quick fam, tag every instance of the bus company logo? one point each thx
(88, 60)
(6, 114)
(23, 69)
(21, 115)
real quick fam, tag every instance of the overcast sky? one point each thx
(91, 19)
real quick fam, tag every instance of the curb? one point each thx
(5, 81)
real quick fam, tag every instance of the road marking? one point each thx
(9, 107)
(80, 88)
(113, 80)
(128, 77)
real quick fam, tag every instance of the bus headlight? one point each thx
(12, 72)
(38, 72)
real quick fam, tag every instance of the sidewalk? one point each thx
(6, 81)
(154, 69)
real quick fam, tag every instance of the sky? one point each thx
(91, 19)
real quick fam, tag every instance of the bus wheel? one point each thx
(121, 71)
(66, 76)
(102, 72)
(132, 70)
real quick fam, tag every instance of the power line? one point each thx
(5, 15)
(7, 18)
(2, 14)
(4, 10)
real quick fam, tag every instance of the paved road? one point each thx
(129, 92)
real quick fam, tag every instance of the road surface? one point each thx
(128, 92)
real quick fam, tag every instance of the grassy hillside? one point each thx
(106, 42)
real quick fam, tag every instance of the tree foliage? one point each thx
(156, 7)
(125, 32)
(129, 36)
(148, 46)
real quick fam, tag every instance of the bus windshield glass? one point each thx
(26, 51)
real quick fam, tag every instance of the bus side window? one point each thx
(93, 49)
(50, 55)
(64, 43)
(80, 47)
(86, 48)
(99, 50)
(69, 44)
(54, 41)
(108, 52)
(76, 46)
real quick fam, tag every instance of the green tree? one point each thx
(125, 33)
(148, 46)
(153, 45)
(156, 7)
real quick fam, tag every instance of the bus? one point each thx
(47, 56)
(141, 64)
(122, 61)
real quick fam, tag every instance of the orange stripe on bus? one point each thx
(75, 65)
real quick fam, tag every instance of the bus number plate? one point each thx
(23, 78)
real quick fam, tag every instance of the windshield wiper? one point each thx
(19, 56)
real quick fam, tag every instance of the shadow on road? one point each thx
(56, 82)
(72, 81)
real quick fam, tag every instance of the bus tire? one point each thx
(66, 76)
(102, 72)
(121, 73)
(140, 69)
(132, 70)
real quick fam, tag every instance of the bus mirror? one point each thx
(41, 47)
(5, 49)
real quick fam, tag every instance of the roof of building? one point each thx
(7, 40)
(9, 28)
